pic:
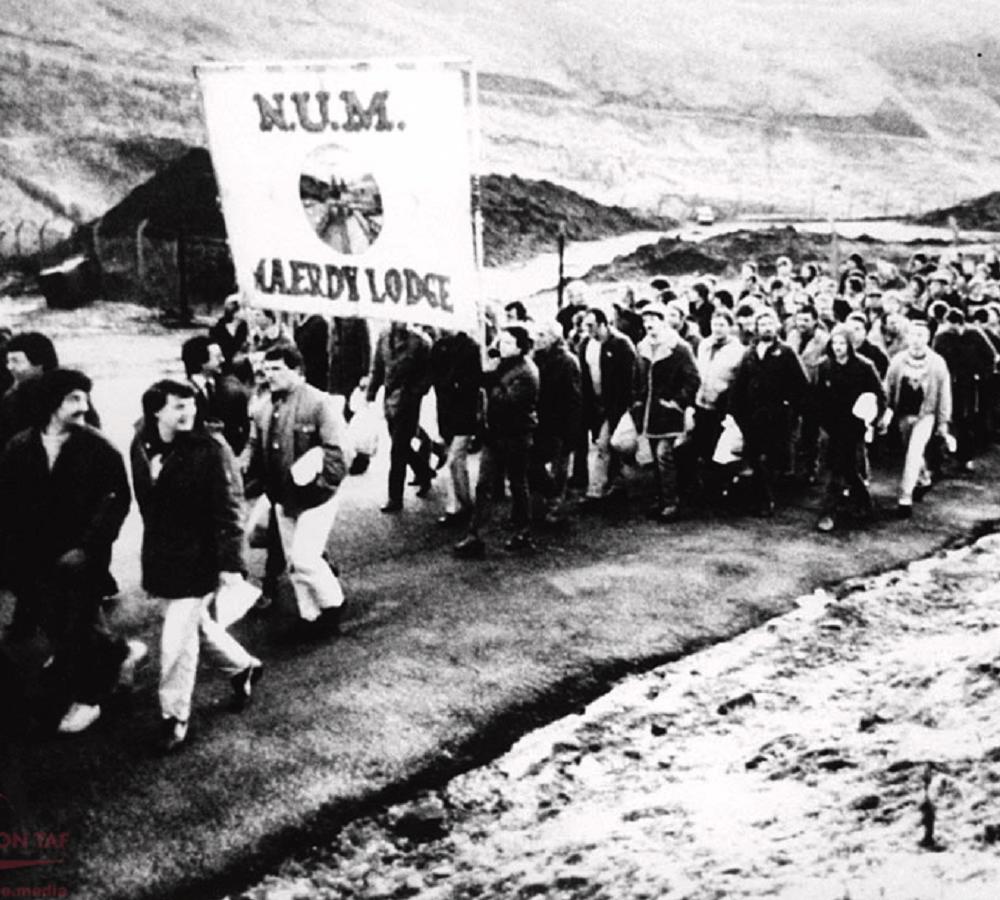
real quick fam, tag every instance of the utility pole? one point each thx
(834, 241)
(562, 265)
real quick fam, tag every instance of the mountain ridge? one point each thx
(877, 107)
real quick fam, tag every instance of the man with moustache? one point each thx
(767, 392)
(65, 496)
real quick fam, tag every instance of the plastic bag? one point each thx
(233, 600)
(625, 439)
(363, 430)
(729, 447)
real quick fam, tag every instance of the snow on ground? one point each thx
(804, 759)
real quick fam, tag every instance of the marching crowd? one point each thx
(733, 394)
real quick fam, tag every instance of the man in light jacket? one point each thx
(919, 392)
(294, 421)
(665, 386)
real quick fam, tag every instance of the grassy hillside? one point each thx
(656, 106)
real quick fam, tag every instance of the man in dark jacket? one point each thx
(456, 372)
(402, 365)
(222, 400)
(28, 356)
(192, 544)
(560, 410)
(231, 333)
(971, 362)
(511, 418)
(607, 366)
(65, 495)
(767, 392)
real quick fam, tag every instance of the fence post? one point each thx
(140, 252)
(41, 235)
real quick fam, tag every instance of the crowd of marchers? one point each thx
(734, 394)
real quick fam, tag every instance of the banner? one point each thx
(346, 188)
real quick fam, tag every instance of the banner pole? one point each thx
(477, 201)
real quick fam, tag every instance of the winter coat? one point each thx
(971, 359)
(80, 504)
(402, 365)
(766, 390)
(190, 514)
(511, 399)
(666, 383)
(717, 367)
(838, 387)
(282, 433)
(456, 373)
(560, 397)
(617, 377)
(350, 354)
(937, 394)
(229, 343)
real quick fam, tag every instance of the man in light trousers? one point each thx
(192, 546)
(298, 460)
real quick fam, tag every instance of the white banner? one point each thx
(346, 188)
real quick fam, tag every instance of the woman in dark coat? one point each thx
(843, 377)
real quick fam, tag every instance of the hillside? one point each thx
(980, 213)
(742, 103)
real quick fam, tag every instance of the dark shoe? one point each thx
(453, 519)
(826, 524)
(172, 734)
(470, 547)
(904, 511)
(360, 463)
(520, 543)
(424, 490)
(331, 565)
(393, 506)
(243, 684)
(328, 623)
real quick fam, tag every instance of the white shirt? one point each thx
(592, 355)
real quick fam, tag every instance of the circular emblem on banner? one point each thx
(341, 199)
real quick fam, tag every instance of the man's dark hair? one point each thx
(725, 298)
(287, 353)
(516, 310)
(155, 397)
(521, 336)
(38, 349)
(600, 316)
(746, 309)
(52, 388)
(194, 353)
(809, 310)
